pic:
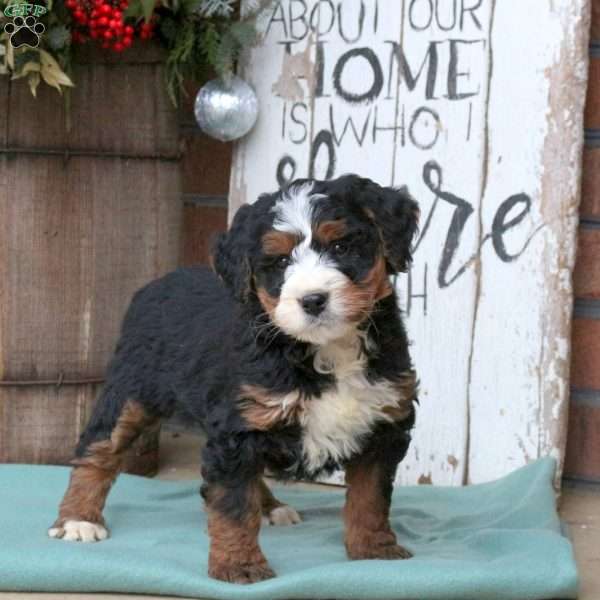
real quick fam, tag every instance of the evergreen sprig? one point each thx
(201, 37)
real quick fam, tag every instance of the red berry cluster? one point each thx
(103, 20)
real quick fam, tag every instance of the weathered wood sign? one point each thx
(476, 105)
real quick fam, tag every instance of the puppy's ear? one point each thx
(230, 260)
(396, 215)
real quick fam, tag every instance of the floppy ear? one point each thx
(396, 215)
(230, 260)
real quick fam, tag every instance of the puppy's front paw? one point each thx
(241, 573)
(392, 552)
(282, 515)
(376, 545)
(79, 531)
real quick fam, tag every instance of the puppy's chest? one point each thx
(335, 425)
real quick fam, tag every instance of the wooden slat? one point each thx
(113, 108)
(592, 105)
(200, 226)
(583, 447)
(586, 278)
(78, 246)
(590, 194)
(585, 373)
(43, 426)
(206, 164)
(595, 20)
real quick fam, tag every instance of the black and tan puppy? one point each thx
(294, 360)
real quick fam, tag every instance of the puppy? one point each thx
(294, 360)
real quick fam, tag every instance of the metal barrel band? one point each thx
(57, 382)
(68, 153)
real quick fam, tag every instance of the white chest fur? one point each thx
(334, 424)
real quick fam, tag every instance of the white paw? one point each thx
(79, 531)
(283, 515)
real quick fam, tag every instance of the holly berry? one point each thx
(104, 20)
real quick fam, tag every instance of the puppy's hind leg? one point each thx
(276, 512)
(99, 459)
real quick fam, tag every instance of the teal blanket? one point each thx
(498, 541)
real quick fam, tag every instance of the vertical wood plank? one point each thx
(469, 108)
(519, 383)
(443, 160)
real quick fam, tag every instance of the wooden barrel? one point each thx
(90, 210)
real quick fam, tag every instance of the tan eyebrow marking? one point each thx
(277, 243)
(328, 231)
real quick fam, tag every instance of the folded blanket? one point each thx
(499, 540)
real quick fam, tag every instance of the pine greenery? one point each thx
(202, 38)
(206, 36)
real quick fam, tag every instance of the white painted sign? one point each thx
(477, 106)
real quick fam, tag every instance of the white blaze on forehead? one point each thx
(294, 212)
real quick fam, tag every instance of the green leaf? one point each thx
(148, 9)
(134, 9)
(210, 42)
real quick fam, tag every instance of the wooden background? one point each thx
(477, 106)
(88, 214)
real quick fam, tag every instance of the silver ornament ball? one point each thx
(226, 109)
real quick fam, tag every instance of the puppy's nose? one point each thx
(314, 304)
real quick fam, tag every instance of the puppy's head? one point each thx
(318, 254)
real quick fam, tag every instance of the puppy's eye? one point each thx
(340, 248)
(282, 262)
